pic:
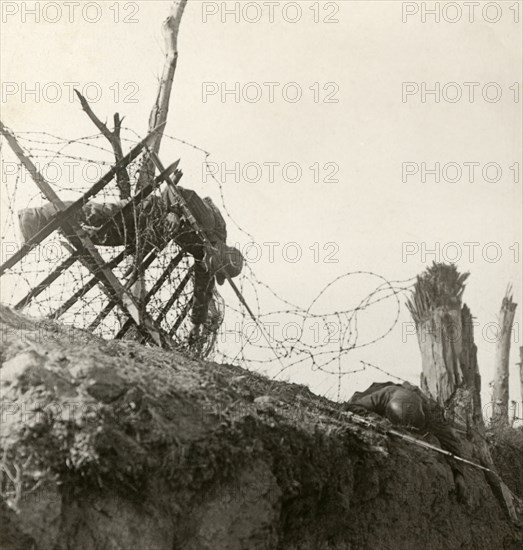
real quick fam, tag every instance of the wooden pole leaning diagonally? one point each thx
(123, 181)
(111, 304)
(37, 290)
(174, 297)
(91, 283)
(159, 112)
(64, 215)
(81, 241)
(33, 293)
(199, 231)
(149, 259)
(205, 240)
(160, 109)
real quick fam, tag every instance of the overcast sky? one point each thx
(362, 115)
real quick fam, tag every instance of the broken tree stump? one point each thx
(501, 379)
(450, 372)
(444, 327)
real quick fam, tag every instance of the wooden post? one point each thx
(501, 378)
(513, 413)
(176, 294)
(91, 283)
(37, 290)
(145, 192)
(160, 109)
(449, 360)
(170, 302)
(151, 256)
(180, 318)
(85, 247)
(122, 176)
(64, 215)
(158, 114)
(450, 373)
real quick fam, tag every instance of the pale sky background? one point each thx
(368, 133)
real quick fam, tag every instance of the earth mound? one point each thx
(113, 445)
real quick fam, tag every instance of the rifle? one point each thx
(209, 248)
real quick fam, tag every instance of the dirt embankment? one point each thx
(110, 445)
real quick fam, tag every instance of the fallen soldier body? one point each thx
(158, 220)
(406, 405)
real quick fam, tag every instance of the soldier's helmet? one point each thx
(405, 409)
(230, 262)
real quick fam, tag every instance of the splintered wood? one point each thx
(82, 249)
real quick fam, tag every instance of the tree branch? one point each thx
(122, 176)
(160, 109)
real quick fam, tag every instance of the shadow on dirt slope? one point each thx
(112, 445)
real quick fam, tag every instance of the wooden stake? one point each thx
(91, 283)
(37, 290)
(145, 192)
(160, 110)
(122, 177)
(153, 254)
(501, 378)
(169, 303)
(86, 249)
(64, 215)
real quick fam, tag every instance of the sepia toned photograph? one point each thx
(261, 280)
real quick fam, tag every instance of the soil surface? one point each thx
(116, 446)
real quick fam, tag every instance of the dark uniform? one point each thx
(158, 219)
(408, 406)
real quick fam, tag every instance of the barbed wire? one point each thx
(326, 355)
(307, 352)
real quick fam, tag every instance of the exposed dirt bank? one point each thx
(110, 445)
